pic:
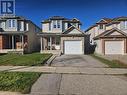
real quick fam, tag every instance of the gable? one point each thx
(116, 33)
(74, 31)
(111, 33)
(102, 21)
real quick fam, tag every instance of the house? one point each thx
(109, 36)
(62, 36)
(18, 35)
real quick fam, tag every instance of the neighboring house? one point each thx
(109, 36)
(18, 34)
(62, 36)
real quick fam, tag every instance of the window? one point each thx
(49, 26)
(54, 24)
(57, 40)
(27, 27)
(58, 24)
(125, 24)
(101, 27)
(11, 23)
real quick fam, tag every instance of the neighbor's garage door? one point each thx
(114, 47)
(73, 47)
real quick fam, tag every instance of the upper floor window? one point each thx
(125, 25)
(101, 26)
(55, 24)
(11, 23)
(58, 24)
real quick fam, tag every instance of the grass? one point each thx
(17, 81)
(35, 59)
(112, 64)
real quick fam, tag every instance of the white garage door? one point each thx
(114, 47)
(73, 47)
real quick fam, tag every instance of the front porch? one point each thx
(13, 43)
(51, 44)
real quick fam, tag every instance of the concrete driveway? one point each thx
(77, 61)
(94, 80)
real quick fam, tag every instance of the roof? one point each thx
(104, 20)
(20, 18)
(14, 32)
(117, 20)
(74, 20)
(108, 21)
(12, 17)
(59, 34)
(65, 33)
(108, 32)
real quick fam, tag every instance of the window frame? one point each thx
(58, 24)
(101, 27)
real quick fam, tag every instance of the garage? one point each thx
(114, 47)
(73, 47)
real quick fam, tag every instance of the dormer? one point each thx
(102, 24)
(75, 22)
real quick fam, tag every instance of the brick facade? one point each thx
(1, 42)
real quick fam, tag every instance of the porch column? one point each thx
(41, 44)
(13, 42)
(22, 41)
(50, 43)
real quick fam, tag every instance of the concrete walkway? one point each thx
(65, 70)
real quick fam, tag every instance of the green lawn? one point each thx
(34, 59)
(112, 64)
(17, 81)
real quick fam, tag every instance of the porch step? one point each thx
(55, 52)
(15, 52)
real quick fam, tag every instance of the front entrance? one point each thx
(73, 47)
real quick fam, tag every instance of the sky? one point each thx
(87, 11)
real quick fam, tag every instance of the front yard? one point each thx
(17, 81)
(110, 63)
(35, 59)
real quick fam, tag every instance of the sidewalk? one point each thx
(65, 70)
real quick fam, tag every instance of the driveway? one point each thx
(93, 81)
(76, 84)
(77, 61)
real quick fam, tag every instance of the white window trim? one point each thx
(11, 23)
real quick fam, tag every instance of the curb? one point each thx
(48, 63)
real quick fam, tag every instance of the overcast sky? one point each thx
(88, 11)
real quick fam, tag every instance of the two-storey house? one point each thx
(62, 36)
(18, 34)
(109, 36)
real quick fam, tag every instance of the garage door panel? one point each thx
(73, 47)
(114, 47)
